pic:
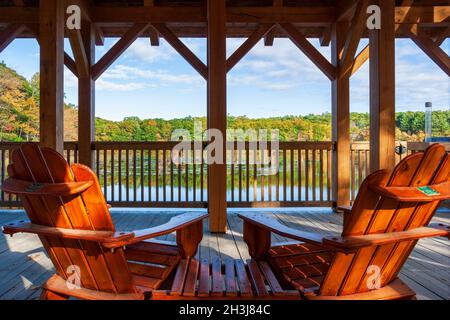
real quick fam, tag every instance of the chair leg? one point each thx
(51, 295)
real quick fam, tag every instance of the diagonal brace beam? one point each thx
(114, 53)
(432, 50)
(79, 52)
(309, 50)
(9, 34)
(182, 49)
(248, 45)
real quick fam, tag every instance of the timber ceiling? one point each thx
(187, 18)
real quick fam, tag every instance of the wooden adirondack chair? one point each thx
(388, 217)
(68, 212)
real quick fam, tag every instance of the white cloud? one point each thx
(128, 78)
(280, 67)
(142, 50)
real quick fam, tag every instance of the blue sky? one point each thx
(151, 82)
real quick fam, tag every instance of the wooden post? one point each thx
(52, 17)
(382, 90)
(86, 100)
(340, 88)
(217, 111)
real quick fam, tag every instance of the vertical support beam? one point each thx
(52, 17)
(340, 88)
(217, 111)
(86, 99)
(382, 89)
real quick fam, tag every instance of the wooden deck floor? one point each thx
(24, 265)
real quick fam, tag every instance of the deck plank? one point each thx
(24, 266)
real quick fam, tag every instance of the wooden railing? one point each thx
(299, 175)
(142, 174)
(360, 163)
(360, 160)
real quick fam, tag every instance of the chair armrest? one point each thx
(345, 209)
(104, 237)
(413, 194)
(19, 187)
(175, 224)
(274, 226)
(108, 239)
(353, 243)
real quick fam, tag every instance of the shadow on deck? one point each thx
(24, 265)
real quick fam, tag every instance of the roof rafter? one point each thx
(441, 36)
(345, 9)
(269, 38)
(325, 39)
(153, 34)
(19, 3)
(99, 36)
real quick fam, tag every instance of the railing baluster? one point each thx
(150, 173)
(232, 172)
(352, 174)
(247, 168)
(359, 169)
(164, 183)
(186, 177)
(306, 175)
(284, 175)
(179, 179)
(3, 169)
(127, 177)
(97, 158)
(119, 173)
(314, 174)
(299, 173)
(172, 164)
(262, 166)
(105, 173)
(194, 173)
(202, 176)
(277, 177)
(291, 172)
(134, 174)
(269, 176)
(142, 175)
(321, 174)
(255, 174)
(329, 174)
(113, 169)
(157, 173)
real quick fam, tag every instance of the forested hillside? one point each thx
(19, 120)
